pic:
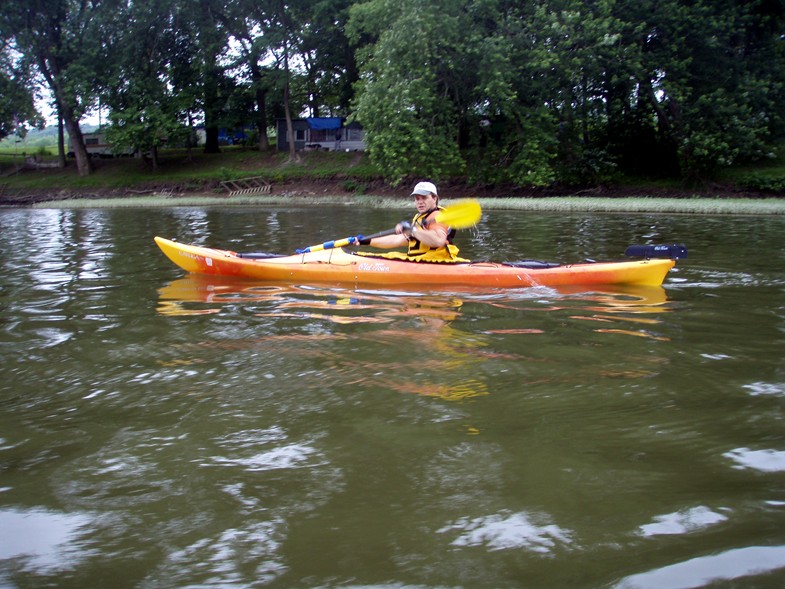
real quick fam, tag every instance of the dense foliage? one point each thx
(17, 104)
(530, 93)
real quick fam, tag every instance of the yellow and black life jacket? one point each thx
(418, 250)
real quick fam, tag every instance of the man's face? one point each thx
(424, 203)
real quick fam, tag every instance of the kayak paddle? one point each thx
(462, 214)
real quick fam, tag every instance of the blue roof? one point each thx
(324, 123)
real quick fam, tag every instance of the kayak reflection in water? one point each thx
(427, 239)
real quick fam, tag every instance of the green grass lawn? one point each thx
(195, 170)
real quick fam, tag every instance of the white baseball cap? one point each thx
(424, 189)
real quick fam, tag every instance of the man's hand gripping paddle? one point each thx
(460, 215)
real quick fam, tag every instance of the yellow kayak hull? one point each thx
(336, 266)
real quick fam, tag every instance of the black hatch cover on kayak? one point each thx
(532, 264)
(674, 251)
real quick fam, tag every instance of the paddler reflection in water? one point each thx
(427, 240)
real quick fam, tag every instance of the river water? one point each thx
(165, 430)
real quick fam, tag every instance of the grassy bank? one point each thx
(181, 170)
(714, 206)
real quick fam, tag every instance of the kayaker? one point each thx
(427, 240)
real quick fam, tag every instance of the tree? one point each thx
(146, 110)
(703, 77)
(513, 127)
(576, 47)
(17, 104)
(330, 69)
(247, 22)
(211, 40)
(65, 39)
(282, 34)
(409, 93)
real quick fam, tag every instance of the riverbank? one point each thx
(311, 193)
(340, 178)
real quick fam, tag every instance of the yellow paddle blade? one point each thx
(462, 214)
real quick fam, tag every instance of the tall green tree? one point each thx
(247, 22)
(409, 96)
(568, 90)
(705, 92)
(147, 111)
(513, 132)
(65, 39)
(327, 58)
(211, 39)
(576, 45)
(283, 35)
(17, 94)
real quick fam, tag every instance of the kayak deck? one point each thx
(337, 266)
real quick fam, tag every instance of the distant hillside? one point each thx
(37, 138)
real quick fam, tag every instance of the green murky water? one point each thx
(165, 430)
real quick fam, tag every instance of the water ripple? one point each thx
(762, 460)
(223, 560)
(43, 541)
(682, 522)
(289, 456)
(732, 565)
(503, 531)
(768, 389)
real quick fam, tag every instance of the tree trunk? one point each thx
(211, 140)
(261, 107)
(261, 126)
(83, 164)
(50, 70)
(211, 72)
(154, 157)
(211, 112)
(664, 122)
(191, 137)
(61, 160)
(293, 157)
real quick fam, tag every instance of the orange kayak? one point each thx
(339, 267)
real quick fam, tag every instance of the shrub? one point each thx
(763, 183)
(354, 186)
